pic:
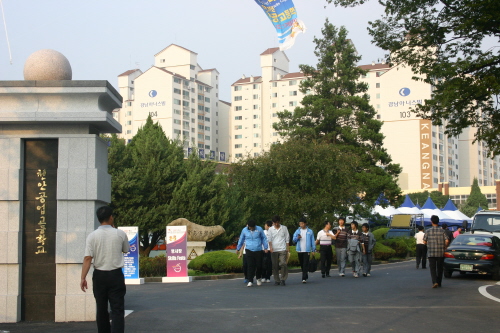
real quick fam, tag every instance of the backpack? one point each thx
(352, 245)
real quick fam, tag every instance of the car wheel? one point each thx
(462, 272)
(496, 274)
(447, 273)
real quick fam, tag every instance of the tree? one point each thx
(202, 198)
(336, 111)
(475, 200)
(145, 174)
(299, 178)
(443, 42)
(437, 197)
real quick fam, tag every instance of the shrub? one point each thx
(152, 266)
(398, 244)
(380, 234)
(382, 252)
(217, 262)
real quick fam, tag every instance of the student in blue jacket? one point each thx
(255, 240)
(304, 238)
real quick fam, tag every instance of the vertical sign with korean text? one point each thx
(176, 251)
(39, 230)
(131, 259)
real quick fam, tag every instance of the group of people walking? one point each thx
(267, 250)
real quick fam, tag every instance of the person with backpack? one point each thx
(304, 238)
(353, 248)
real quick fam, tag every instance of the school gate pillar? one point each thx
(53, 177)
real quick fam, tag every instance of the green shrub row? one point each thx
(152, 266)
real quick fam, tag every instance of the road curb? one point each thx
(241, 276)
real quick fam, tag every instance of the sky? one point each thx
(104, 38)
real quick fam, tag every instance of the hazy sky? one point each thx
(104, 38)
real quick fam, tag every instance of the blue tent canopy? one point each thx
(408, 203)
(450, 206)
(429, 204)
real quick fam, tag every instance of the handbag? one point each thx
(313, 264)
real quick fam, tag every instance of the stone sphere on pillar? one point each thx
(47, 65)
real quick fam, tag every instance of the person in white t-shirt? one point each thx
(421, 247)
(324, 239)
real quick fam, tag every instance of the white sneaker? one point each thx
(304, 281)
(368, 274)
(355, 275)
(249, 284)
(268, 281)
(259, 282)
(342, 274)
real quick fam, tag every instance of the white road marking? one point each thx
(127, 312)
(482, 291)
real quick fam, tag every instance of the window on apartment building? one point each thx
(162, 60)
(192, 100)
(379, 73)
(129, 131)
(275, 94)
(200, 136)
(192, 110)
(238, 108)
(255, 106)
(207, 137)
(275, 133)
(129, 103)
(237, 127)
(207, 128)
(364, 76)
(275, 84)
(255, 125)
(292, 103)
(293, 93)
(200, 145)
(377, 96)
(200, 97)
(238, 98)
(292, 82)
(192, 67)
(177, 101)
(177, 91)
(200, 108)
(177, 111)
(192, 131)
(186, 83)
(238, 136)
(185, 93)
(129, 113)
(207, 119)
(177, 121)
(192, 120)
(200, 87)
(256, 135)
(207, 110)
(255, 154)
(207, 99)
(177, 80)
(238, 155)
(177, 131)
(256, 145)
(200, 127)
(239, 145)
(185, 103)
(129, 122)
(238, 88)
(255, 116)
(207, 89)
(255, 86)
(238, 118)
(378, 116)
(201, 117)
(255, 96)
(377, 85)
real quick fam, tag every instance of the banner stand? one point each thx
(176, 255)
(131, 259)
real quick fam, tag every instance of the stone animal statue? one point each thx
(199, 233)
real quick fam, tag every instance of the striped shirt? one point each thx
(323, 238)
(436, 241)
(341, 241)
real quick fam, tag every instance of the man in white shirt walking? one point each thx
(421, 247)
(279, 245)
(106, 246)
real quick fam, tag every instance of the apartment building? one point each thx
(182, 97)
(428, 156)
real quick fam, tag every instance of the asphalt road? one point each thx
(396, 298)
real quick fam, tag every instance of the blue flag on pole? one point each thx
(283, 16)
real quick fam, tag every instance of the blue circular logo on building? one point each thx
(404, 91)
(153, 93)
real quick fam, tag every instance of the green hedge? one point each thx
(382, 252)
(152, 266)
(380, 234)
(217, 262)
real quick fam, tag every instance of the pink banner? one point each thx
(176, 251)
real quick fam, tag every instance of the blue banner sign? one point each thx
(222, 156)
(131, 259)
(201, 153)
(283, 16)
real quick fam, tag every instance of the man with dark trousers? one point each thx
(254, 239)
(304, 238)
(437, 241)
(106, 246)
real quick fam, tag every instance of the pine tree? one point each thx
(336, 110)
(475, 200)
(145, 174)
